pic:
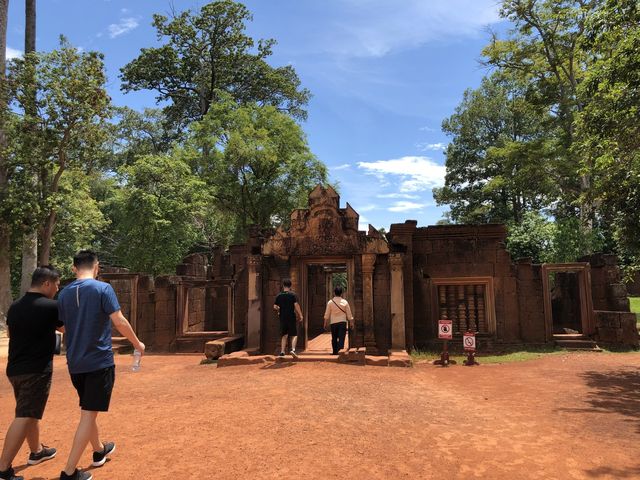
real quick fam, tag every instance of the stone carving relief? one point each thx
(324, 229)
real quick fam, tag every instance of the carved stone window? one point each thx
(468, 302)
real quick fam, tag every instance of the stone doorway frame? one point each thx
(182, 306)
(304, 280)
(583, 269)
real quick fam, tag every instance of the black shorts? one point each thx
(94, 388)
(32, 392)
(289, 327)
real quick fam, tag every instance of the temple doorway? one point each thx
(567, 300)
(320, 280)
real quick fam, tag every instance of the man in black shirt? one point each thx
(286, 304)
(32, 322)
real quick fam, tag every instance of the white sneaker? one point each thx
(294, 354)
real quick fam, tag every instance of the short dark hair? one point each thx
(43, 274)
(337, 291)
(85, 259)
(286, 283)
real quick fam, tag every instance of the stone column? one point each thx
(254, 304)
(368, 265)
(295, 277)
(398, 338)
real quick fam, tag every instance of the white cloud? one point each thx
(405, 206)
(414, 173)
(397, 195)
(124, 26)
(13, 53)
(363, 223)
(125, 11)
(341, 167)
(366, 208)
(431, 146)
(427, 129)
(374, 28)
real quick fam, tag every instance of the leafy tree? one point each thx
(79, 219)
(30, 235)
(609, 125)
(155, 213)
(72, 107)
(137, 134)
(5, 229)
(207, 53)
(543, 52)
(493, 168)
(256, 161)
(533, 237)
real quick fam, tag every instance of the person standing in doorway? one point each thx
(288, 308)
(87, 307)
(337, 313)
(32, 322)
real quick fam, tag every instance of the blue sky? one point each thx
(383, 74)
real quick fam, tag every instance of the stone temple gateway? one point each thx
(398, 285)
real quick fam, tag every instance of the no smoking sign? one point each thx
(469, 342)
(445, 329)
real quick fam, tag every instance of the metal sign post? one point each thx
(445, 332)
(469, 343)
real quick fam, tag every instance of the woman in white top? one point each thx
(336, 314)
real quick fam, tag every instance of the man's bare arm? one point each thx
(124, 327)
(298, 311)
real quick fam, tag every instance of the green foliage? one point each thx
(608, 128)
(634, 305)
(68, 131)
(547, 241)
(79, 220)
(533, 237)
(256, 161)
(155, 213)
(207, 53)
(494, 168)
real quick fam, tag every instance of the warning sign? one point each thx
(445, 329)
(469, 342)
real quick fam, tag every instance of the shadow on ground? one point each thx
(614, 392)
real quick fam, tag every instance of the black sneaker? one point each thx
(100, 457)
(45, 453)
(281, 354)
(77, 475)
(9, 474)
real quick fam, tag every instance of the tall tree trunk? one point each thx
(5, 231)
(47, 233)
(30, 237)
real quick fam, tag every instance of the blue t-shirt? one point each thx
(84, 307)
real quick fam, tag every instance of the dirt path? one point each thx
(574, 416)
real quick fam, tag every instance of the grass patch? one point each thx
(514, 355)
(635, 307)
(208, 361)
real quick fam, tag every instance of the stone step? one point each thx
(194, 343)
(578, 344)
(308, 357)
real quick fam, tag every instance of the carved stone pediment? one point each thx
(324, 229)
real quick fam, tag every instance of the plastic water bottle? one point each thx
(137, 356)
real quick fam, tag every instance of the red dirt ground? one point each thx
(570, 416)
